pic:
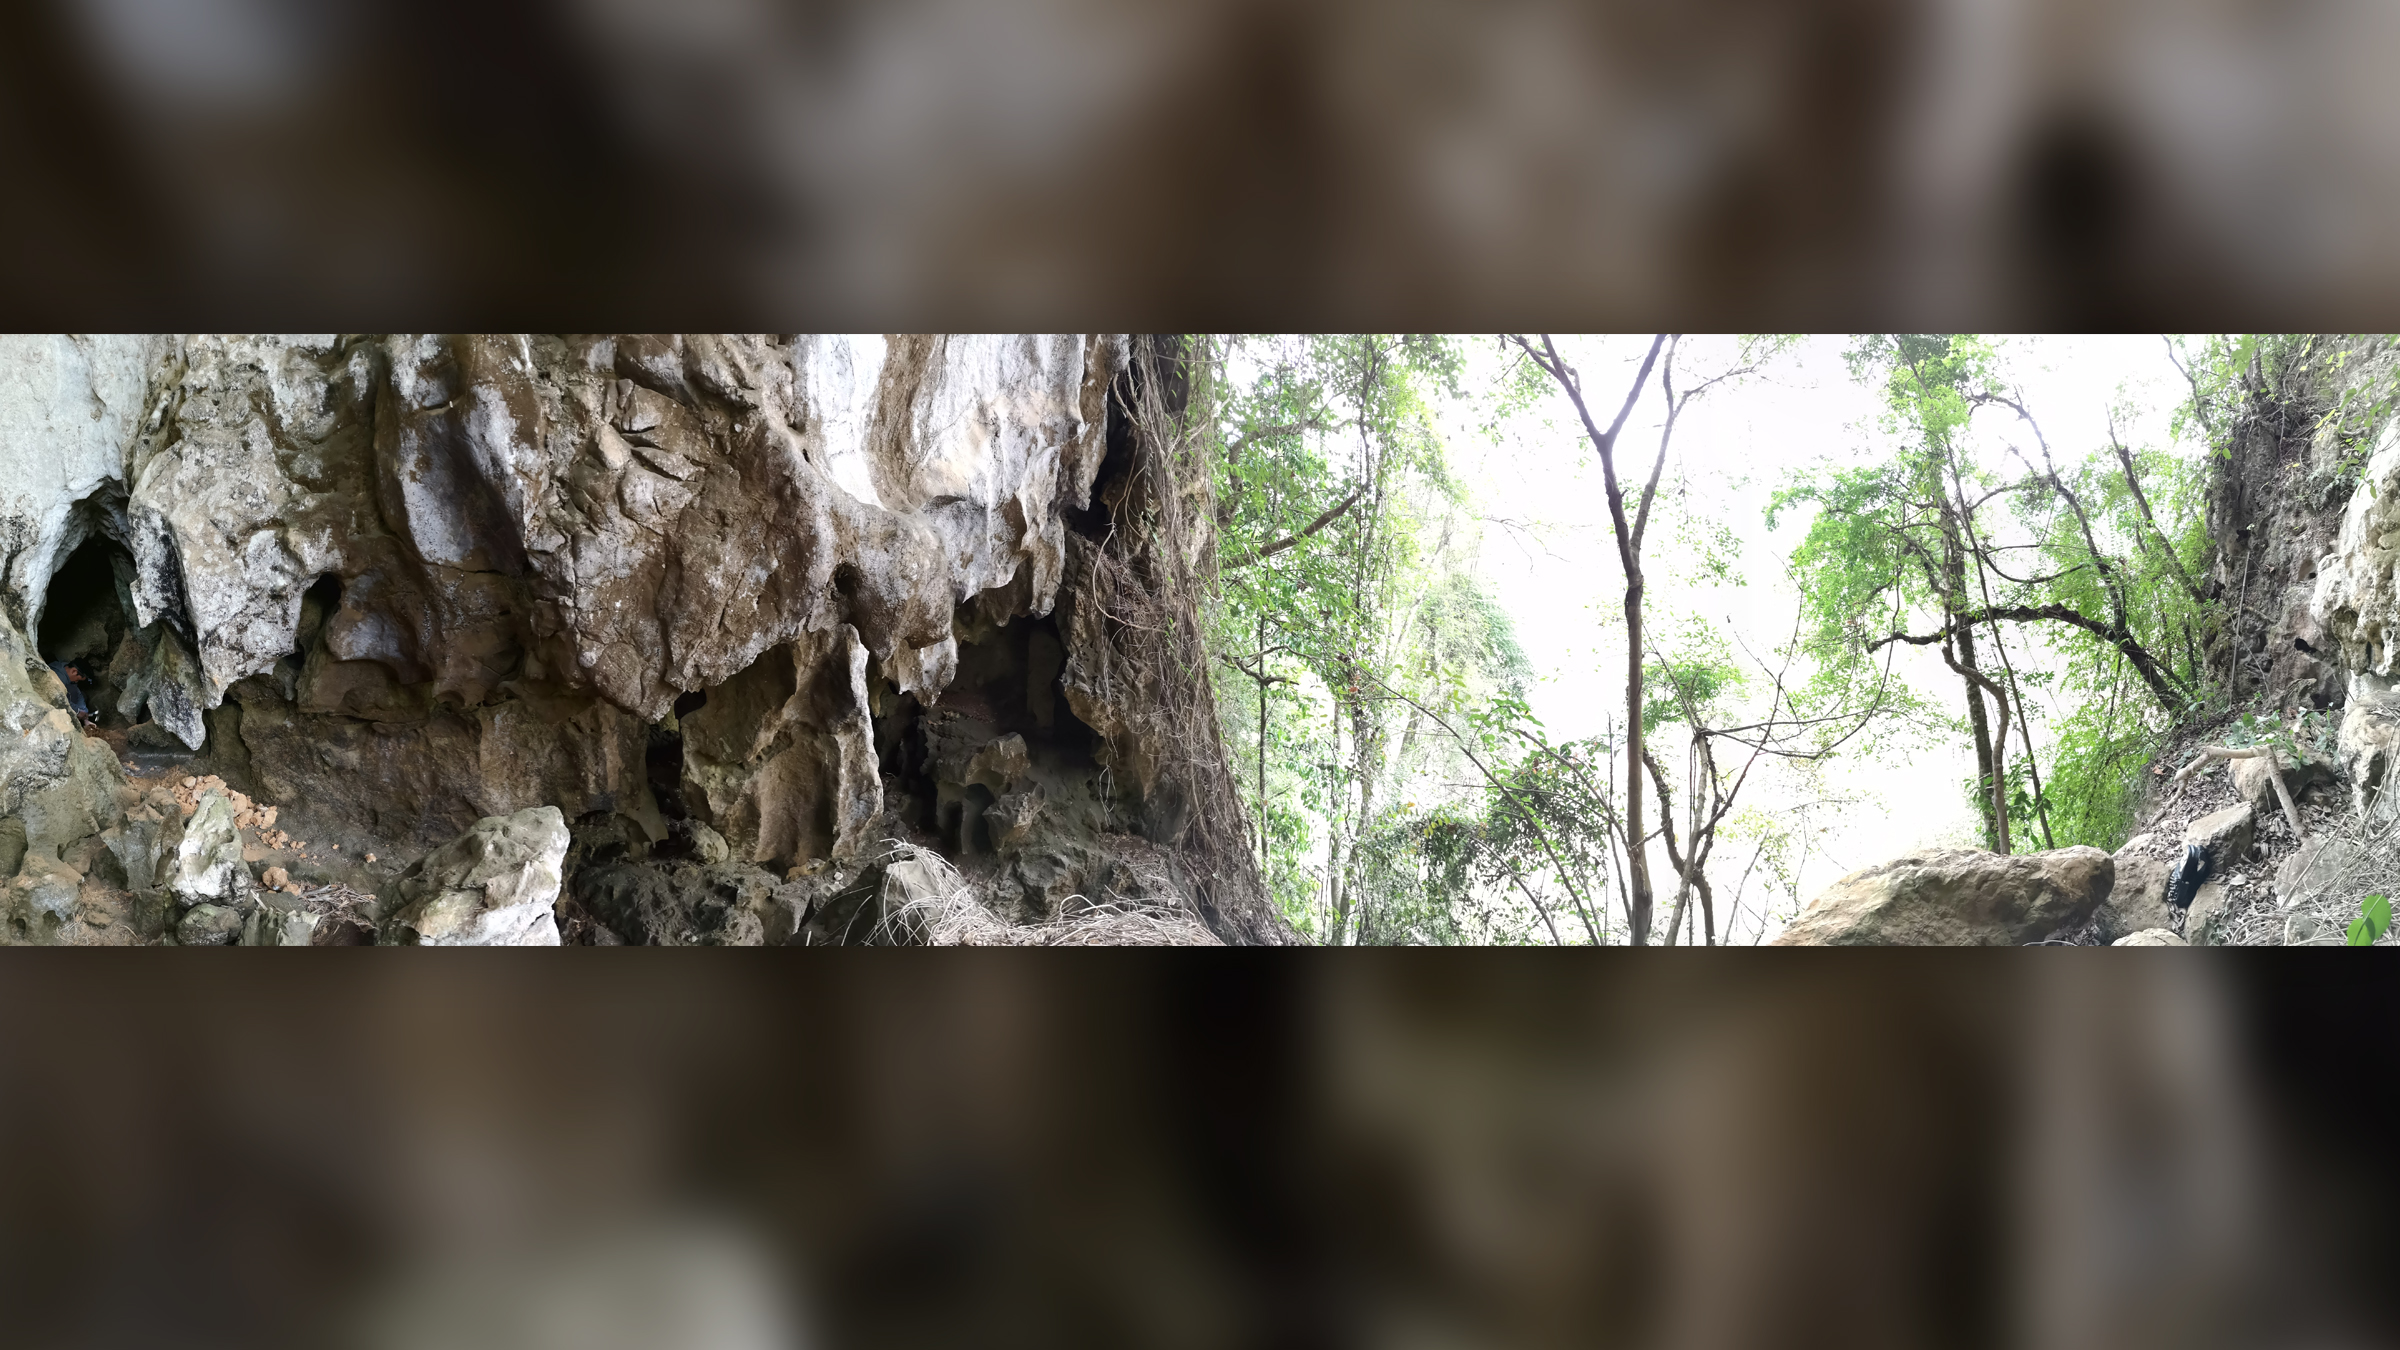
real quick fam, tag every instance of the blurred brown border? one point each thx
(1226, 164)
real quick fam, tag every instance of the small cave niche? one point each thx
(318, 604)
(1006, 685)
(662, 764)
(87, 623)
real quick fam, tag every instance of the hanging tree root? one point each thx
(2209, 754)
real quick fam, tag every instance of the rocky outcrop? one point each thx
(776, 591)
(1957, 897)
(2357, 592)
(494, 886)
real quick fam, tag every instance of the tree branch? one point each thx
(1331, 514)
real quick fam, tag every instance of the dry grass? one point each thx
(2257, 918)
(950, 913)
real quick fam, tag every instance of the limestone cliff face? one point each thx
(773, 586)
(2305, 513)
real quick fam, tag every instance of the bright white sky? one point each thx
(1550, 558)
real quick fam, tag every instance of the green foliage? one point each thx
(1346, 589)
(2089, 784)
(1944, 519)
(1699, 682)
(2309, 735)
(2374, 919)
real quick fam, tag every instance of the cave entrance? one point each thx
(87, 614)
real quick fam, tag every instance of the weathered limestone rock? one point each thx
(2368, 742)
(208, 859)
(1013, 820)
(683, 904)
(413, 582)
(781, 760)
(494, 886)
(146, 846)
(1000, 766)
(42, 898)
(208, 925)
(69, 406)
(2225, 835)
(1957, 897)
(2357, 592)
(2138, 899)
(709, 846)
(2149, 937)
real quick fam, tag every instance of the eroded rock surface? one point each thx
(788, 596)
(494, 886)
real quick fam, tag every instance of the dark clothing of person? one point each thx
(74, 692)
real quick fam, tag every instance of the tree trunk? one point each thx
(1637, 862)
(1987, 792)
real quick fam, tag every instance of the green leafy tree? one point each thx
(2078, 555)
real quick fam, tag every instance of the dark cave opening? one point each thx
(87, 616)
(317, 605)
(662, 765)
(1007, 684)
(663, 758)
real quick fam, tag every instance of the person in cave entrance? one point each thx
(85, 624)
(72, 676)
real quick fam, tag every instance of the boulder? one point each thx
(1957, 897)
(2138, 900)
(2149, 937)
(1001, 765)
(146, 847)
(1012, 820)
(63, 784)
(208, 925)
(2315, 868)
(2301, 775)
(709, 846)
(42, 898)
(494, 886)
(2225, 835)
(208, 858)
